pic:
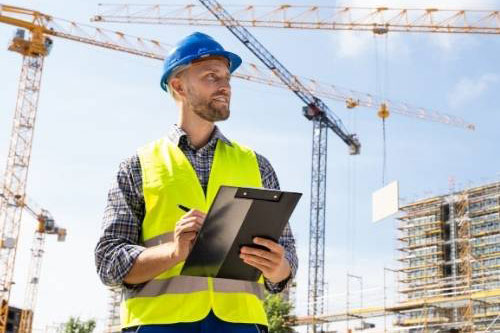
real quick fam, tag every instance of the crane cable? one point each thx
(351, 197)
(386, 89)
(381, 86)
(386, 84)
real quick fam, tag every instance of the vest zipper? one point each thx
(211, 291)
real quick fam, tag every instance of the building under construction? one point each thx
(449, 255)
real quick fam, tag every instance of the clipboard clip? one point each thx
(258, 194)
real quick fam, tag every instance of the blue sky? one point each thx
(97, 106)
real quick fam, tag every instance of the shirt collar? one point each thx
(176, 133)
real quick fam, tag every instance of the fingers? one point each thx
(190, 226)
(271, 245)
(188, 223)
(254, 252)
(194, 212)
(257, 260)
(269, 262)
(187, 228)
(263, 265)
(190, 220)
(187, 236)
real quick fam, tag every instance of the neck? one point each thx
(198, 129)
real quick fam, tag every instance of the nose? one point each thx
(225, 87)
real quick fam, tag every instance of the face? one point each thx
(207, 90)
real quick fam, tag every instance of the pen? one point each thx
(184, 208)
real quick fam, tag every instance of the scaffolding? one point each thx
(448, 274)
(113, 312)
(450, 251)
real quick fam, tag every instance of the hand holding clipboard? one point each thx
(236, 217)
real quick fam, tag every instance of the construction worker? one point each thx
(146, 237)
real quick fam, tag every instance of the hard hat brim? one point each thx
(234, 63)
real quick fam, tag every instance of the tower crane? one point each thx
(45, 226)
(323, 119)
(37, 44)
(379, 20)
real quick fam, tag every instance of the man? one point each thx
(146, 237)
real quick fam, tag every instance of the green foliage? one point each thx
(278, 314)
(75, 325)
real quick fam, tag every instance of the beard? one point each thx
(207, 108)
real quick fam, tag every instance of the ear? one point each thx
(178, 86)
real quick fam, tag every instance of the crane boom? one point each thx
(51, 26)
(379, 20)
(352, 98)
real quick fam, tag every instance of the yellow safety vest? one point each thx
(168, 180)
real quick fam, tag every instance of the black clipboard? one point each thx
(236, 216)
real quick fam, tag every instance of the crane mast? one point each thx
(31, 292)
(33, 50)
(323, 119)
(45, 225)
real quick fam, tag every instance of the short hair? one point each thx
(175, 74)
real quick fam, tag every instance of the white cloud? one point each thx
(444, 4)
(353, 44)
(468, 89)
(443, 41)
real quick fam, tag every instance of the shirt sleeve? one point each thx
(270, 181)
(119, 242)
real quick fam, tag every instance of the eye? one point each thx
(212, 77)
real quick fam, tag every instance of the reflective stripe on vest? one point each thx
(168, 180)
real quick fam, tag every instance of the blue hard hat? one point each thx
(193, 47)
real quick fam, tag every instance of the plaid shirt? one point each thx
(120, 240)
